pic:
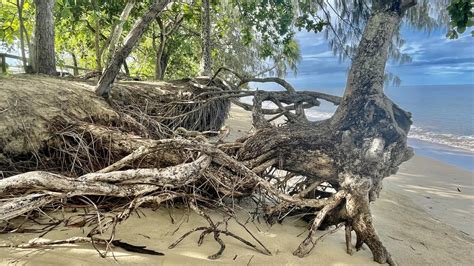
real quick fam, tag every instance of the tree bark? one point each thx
(113, 68)
(44, 54)
(206, 44)
(159, 52)
(98, 64)
(365, 140)
(118, 30)
(74, 61)
(19, 4)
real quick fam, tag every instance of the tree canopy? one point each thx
(261, 32)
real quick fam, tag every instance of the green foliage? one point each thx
(260, 32)
(10, 23)
(250, 36)
(76, 22)
(461, 15)
(269, 26)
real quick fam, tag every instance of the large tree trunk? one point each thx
(117, 32)
(44, 54)
(353, 151)
(206, 44)
(113, 68)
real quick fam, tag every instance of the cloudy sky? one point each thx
(436, 60)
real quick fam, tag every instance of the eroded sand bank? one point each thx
(421, 216)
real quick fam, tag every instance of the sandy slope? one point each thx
(434, 186)
(401, 216)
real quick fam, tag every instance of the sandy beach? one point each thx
(424, 216)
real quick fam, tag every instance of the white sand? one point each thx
(434, 185)
(403, 215)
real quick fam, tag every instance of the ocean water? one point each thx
(443, 120)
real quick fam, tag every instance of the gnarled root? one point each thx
(308, 244)
(207, 170)
(213, 228)
(358, 209)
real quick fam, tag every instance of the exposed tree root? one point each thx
(213, 229)
(308, 244)
(152, 185)
(328, 170)
(201, 169)
(35, 243)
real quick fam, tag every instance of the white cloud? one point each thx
(313, 57)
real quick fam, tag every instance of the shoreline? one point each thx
(462, 159)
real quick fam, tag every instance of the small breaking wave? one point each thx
(314, 115)
(455, 141)
(465, 143)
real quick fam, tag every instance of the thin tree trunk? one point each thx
(30, 59)
(159, 52)
(161, 61)
(117, 32)
(206, 59)
(164, 65)
(27, 38)
(74, 61)
(97, 46)
(19, 4)
(113, 68)
(44, 54)
(97, 35)
(126, 69)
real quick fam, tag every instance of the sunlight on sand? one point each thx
(196, 255)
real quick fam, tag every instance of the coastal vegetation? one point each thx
(144, 126)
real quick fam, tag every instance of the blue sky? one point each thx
(436, 60)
